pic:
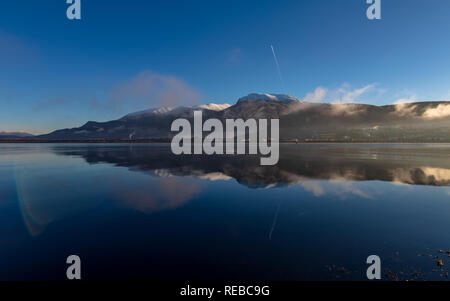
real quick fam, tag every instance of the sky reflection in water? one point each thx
(136, 211)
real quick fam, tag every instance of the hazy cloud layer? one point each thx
(441, 111)
(345, 109)
(149, 89)
(411, 110)
(405, 109)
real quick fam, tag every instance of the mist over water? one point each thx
(138, 211)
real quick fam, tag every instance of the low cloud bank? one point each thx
(432, 113)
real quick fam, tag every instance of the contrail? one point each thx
(275, 219)
(278, 68)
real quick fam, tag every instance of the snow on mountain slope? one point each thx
(214, 106)
(282, 98)
(167, 110)
(161, 110)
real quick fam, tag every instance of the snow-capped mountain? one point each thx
(281, 98)
(176, 110)
(298, 121)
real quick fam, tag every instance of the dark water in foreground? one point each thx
(136, 211)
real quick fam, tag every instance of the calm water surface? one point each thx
(136, 211)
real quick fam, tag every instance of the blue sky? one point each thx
(126, 56)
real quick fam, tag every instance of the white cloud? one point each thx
(317, 96)
(405, 109)
(410, 99)
(441, 111)
(353, 94)
(408, 109)
(344, 94)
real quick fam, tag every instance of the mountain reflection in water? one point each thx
(407, 164)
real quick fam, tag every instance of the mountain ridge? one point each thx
(299, 121)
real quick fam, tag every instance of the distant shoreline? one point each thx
(30, 141)
(84, 141)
